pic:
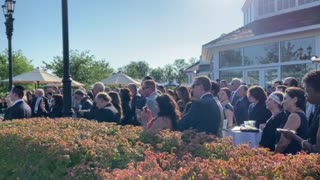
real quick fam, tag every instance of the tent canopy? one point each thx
(40, 77)
(119, 78)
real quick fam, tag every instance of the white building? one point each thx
(277, 40)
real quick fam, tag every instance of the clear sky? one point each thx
(120, 31)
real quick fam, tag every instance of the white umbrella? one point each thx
(119, 78)
(40, 77)
(35, 76)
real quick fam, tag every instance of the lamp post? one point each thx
(8, 10)
(67, 100)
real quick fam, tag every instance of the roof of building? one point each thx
(282, 22)
(193, 67)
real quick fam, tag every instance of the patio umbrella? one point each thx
(36, 76)
(40, 77)
(119, 78)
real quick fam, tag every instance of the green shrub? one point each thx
(81, 149)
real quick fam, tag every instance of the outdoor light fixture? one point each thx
(316, 60)
(8, 10)
(302, 56)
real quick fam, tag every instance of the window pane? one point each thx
(230, 58)
(285, 4)
(253, 78)
(229, 75)
(261, 54)
(296, 50)
(297, 70)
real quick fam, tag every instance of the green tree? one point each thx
(157, 74)
(169, 73)
(21, 64)
(83, 67)
(136, 70)
(179, 66)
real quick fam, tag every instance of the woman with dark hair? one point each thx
(228, 111)
(125, 96)
(295, 103)
(277, 120)
(29, 97)
(215, 88)
(56, 109)
(312, 92)
(257, 110)
(116, 102)
(168, 115)
(185, 99)
(172, 94)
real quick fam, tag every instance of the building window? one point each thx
(297, 50)
(266, 7)
(229, 75)
(302, 2)
(296, 70)
(230, 58)
(261, 54)
(286, 4)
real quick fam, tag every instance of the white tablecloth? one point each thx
(239, 137)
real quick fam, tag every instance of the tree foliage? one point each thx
(157, 74)
(136, 69)
(83, 67)
(20, 63)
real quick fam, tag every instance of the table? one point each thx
(251, 138)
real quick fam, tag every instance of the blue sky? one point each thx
(121, 31)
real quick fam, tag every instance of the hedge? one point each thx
(81, 149)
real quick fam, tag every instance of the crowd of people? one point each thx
(288, 114)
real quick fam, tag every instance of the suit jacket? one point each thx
(20, 110)
(204, 116)
(40, 113)
(138, 102)
(241, 110)
(55, 112)
(107, 114)
(86, 104)
(259, 113)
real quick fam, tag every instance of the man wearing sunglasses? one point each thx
(204, 114)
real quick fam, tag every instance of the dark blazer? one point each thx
(86, 104)
(40, 113)
(91, 114)
(107, 114)
(241, 110)
(138, 102)
(259, 113)
(128, 115)
(20, 110)
(204, 116)
(55, 112)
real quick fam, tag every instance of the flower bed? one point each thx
(80, 149)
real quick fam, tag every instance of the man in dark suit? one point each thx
(37, 111)
(106, 111)
(19, 109)
(241, 106)
(204, 114)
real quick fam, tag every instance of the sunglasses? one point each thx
(143, 88)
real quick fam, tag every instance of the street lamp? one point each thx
(8, 10)
(67, 99)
